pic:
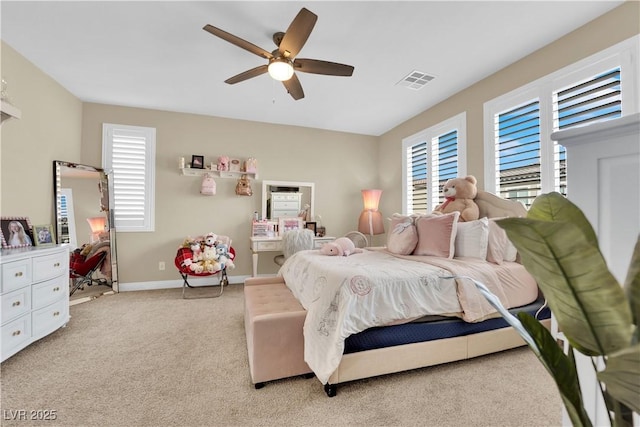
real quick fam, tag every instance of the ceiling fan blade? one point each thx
(294, 87)
(316, 66)
(237, 41)
(254, 72)
(298, 32)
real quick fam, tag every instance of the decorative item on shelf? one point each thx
(4, 95)
(370, 221)
(43, 235)
(197, 162)
(98, 226)
(181, 162)
(213, 166)
(15, 232)
(234, 165)
(251, 165)
(208, 187)
(243, 187)
(223, 163)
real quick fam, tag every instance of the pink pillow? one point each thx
(402, 237)
(437, 235)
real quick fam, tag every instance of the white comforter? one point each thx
(346, 295)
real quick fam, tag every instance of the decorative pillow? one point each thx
(472, 238)
(500, 247)
(402, 237)
(437, 235)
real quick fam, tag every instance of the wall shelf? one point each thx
(9, 111)
(216, 173)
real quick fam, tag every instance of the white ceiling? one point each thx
(156, 54)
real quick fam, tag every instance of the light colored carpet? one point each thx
(150, 358)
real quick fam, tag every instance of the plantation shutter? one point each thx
(518, 153)
(417, 178)
(130, 157)
(445, 150)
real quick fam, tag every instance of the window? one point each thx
(521, 160)
(128, 154)
(430, 158)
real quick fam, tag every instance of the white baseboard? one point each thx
(169, 284)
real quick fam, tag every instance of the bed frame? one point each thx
(370, 363)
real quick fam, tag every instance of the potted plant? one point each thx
(598, 317)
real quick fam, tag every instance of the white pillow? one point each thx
(472, 239)
(500, 247)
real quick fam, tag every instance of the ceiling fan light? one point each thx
(280, 69)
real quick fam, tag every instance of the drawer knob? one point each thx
(56, 289)
(57, 264)
(56, 313)
(16, 333)
(16, 303)
(18, 274)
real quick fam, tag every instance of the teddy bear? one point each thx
(342, 246)
(459, 194)
(223, 163)
(210, 253)
(196, 249)
(196, 267)
(211, 265)
(210, 239)
(225, 258)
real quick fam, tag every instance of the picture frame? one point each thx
(287, 223)
(311, 225)
(15, 232)
(43, 235)
(197, 162)
(235, 165)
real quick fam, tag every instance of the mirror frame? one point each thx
(62, 168)
(267, 184)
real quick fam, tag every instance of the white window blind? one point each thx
(430, 158)
(518, 125)
(129, 159)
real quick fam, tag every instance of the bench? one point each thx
(273, 323)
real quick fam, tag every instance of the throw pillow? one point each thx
(500, 247)
(402, 236)
(472, 239)
(437, 235)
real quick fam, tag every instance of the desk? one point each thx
(274, 244)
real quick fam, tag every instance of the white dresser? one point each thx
(34, 298)
(285, 204)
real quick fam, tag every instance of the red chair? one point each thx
(81, 270)
(184, 270)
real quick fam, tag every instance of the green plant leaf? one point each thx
(561, 367)
(622, 376)
(555, 207)
(585, 298)
(632, 287)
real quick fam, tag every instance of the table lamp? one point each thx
(370, 221)
(97, 224)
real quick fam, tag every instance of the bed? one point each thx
(385, 311)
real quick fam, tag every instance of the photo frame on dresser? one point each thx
(15, 232)
(311, 225)
(43, 235)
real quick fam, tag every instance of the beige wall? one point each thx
(339, 164)
(48, 130)
(605, 31)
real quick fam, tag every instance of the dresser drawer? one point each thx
(269, 246)
(49, 266)
(277, 197)
(49, 291)
(15, 304)
(49, 318)
(285, 206)
(287, 214)
(16, 274)
(15, 335)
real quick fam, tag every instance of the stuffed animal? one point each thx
(210, 253)
(197, 251)
(223, 163)
(211, 265)
(210, 239)
(224, 256)
(459, 194)
(342, 246)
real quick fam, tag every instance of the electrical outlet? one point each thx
(161, 266)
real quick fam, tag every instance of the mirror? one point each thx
(82, 213)
(306, 197)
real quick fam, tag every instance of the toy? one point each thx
(210, 253)
(197, 251)
(224, 256)
(223, 163)
(342, 246)
(210, 239)
(459, 194)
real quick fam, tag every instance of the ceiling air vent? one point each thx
(415, 80)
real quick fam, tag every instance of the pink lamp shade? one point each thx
(97, 223)
(370, 221)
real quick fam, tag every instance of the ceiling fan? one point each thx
(283, 61)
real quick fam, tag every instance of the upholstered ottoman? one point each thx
(273, 322)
